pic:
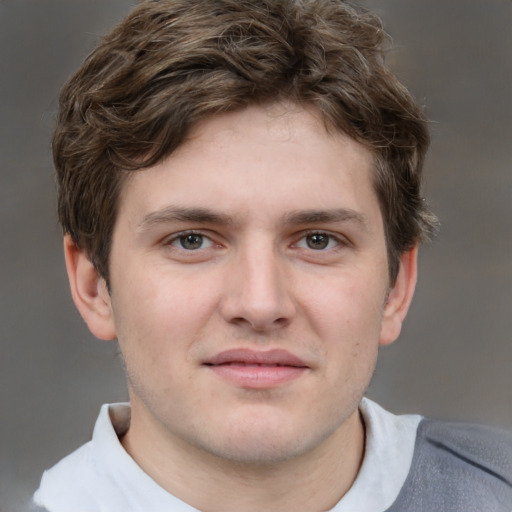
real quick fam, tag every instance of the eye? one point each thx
(318, 241)
(191, 241)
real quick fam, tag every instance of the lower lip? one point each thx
(257, 377)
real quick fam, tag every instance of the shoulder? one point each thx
(487, 448)
(68, 479)
(87, 478)
(458, 467)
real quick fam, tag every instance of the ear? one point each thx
(89, 292)
(399, 298)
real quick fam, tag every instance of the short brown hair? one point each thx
(172, 63)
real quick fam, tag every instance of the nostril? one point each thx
(260, 325)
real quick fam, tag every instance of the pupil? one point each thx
(191, 241)
(318, 241)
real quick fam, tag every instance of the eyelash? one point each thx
(337, 239)
(177, 238)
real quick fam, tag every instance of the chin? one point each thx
(263, 453)
(265, 444)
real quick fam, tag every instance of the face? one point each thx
(250, 287)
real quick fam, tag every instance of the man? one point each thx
(239, 187)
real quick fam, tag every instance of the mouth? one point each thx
(247, 368)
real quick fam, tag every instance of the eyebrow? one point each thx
(326, 216)
(182, 214)
(207, 216)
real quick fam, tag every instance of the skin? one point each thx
(217, 248)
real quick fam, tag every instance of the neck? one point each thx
(314, 481)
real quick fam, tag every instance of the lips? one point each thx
(257, 369)
(275, 357)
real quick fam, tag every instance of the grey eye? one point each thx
(317, 241)
(191, 241)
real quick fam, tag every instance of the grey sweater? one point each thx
(458, 467)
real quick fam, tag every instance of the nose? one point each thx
(257, 294)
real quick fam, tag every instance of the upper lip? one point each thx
(277, 357)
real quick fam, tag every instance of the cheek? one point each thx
(159, 315)
(347, 319)
(348, 307)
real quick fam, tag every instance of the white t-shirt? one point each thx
(101, 476)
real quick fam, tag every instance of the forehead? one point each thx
(268, 127)
(278, 157)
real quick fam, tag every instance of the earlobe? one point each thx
(89, 292)
(400, 297)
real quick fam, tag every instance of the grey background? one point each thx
(454, 356)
